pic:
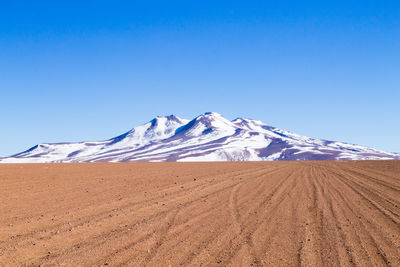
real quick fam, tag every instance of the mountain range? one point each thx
(208, 137)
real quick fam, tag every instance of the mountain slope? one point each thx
(208, 137)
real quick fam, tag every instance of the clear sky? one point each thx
(91, 70)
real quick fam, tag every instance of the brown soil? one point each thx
(192, 214)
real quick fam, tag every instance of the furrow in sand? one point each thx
(264, 210)
(179, 235)
(71, 192)
(383, 192)
(188, 200)
(201, 214)
(56, 230)
(371, 178)
(381, 204)
(376, 242)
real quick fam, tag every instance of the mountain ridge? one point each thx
(207, 137)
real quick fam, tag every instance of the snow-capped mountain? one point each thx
(208, 137)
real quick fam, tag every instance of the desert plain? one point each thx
(311, 213)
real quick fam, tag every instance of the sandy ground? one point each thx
(201, 214)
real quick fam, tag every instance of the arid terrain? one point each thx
(312, 213)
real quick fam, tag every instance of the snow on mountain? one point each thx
(208, 137)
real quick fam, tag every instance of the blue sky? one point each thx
(73, 71)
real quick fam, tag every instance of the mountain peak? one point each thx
(211, 116)
(167, 120)
(212, 113)
(206, 123)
